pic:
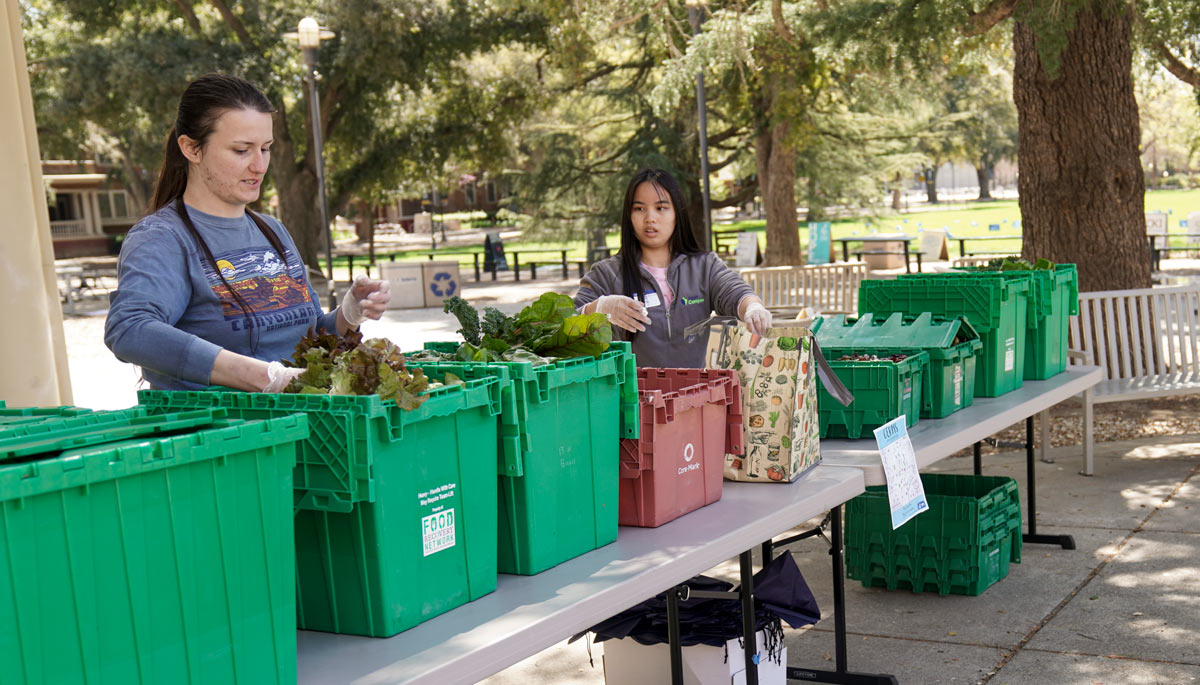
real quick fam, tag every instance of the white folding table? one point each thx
(527, 614)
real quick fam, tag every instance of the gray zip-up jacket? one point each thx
(702, 283)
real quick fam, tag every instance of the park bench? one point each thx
(1147, 341)
(83, 280)
(830, 288)
(1156, 250)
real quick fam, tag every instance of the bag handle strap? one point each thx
(832, 383)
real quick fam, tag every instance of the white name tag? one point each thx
(652, 299)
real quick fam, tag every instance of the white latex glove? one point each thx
(278, 376)
(624, 312)
(757, 318)
(366, 299)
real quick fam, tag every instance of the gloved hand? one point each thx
(624, 312)
(366, 299)
(757, 318)
(278, 376)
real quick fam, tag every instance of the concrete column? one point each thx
(33, 353)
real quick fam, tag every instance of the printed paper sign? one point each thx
(437, 531)
(906, 496)
(958, 384)
(818, 242)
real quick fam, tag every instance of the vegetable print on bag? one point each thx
(778, 379)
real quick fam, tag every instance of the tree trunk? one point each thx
(981, 173)
(300, 212)
(931, 185)
(365, 223)
(776, 162)
(299, 201)
(816, 208)
(1080, 178)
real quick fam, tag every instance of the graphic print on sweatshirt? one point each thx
(278, 296)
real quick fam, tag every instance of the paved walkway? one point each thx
(1122, 608)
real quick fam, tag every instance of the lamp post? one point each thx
(696, 17)
(309, 35)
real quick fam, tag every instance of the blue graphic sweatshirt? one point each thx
(171, 314)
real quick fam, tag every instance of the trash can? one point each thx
(407, 283)
(440, 281)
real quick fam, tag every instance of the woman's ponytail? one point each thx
(172, 178)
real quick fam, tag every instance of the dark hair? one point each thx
(201, 105)
(683, 241)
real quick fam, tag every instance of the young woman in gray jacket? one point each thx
(661, 281)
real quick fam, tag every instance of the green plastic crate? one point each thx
(996, 309)
(15, 415)
(883, 390)
(1055, 298)
(560, 435)
(618, 350)
(961, 545)
(160, 558)
(425, 541)
(949, 383)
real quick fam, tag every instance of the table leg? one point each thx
(841, 675)
(1032, 537)
(750, 649)
(845, 251)
(476, 256)
(907, 255)
(978, 450)
(673, 636)
(516, 266)
(962, 247)
(1044, 424)
(564, 256)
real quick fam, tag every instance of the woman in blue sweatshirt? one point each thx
(209, 292)
(661, 281)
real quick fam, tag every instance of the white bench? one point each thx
(1147, 341)
(830, 288)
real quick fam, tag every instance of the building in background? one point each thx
(88, 208)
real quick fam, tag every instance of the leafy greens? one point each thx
(548, 328)
(351, 366)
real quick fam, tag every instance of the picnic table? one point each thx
(533, 264)
(81, 278)
(962, 243)
(1156, 250)
(907, 251)
(527, 614)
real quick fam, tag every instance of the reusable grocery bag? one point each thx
(778, 375)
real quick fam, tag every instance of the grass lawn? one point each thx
(975, 219)
(970, 220)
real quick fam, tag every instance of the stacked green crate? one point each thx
(148, 549)
(951, 344)
(962, 544)
(396, 519)
(883, 390)
(1055, 299)
(995, 308)
(15, 415)
(559, 430)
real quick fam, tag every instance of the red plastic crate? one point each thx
(691, 418)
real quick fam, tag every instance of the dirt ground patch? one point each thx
(1147, 418)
